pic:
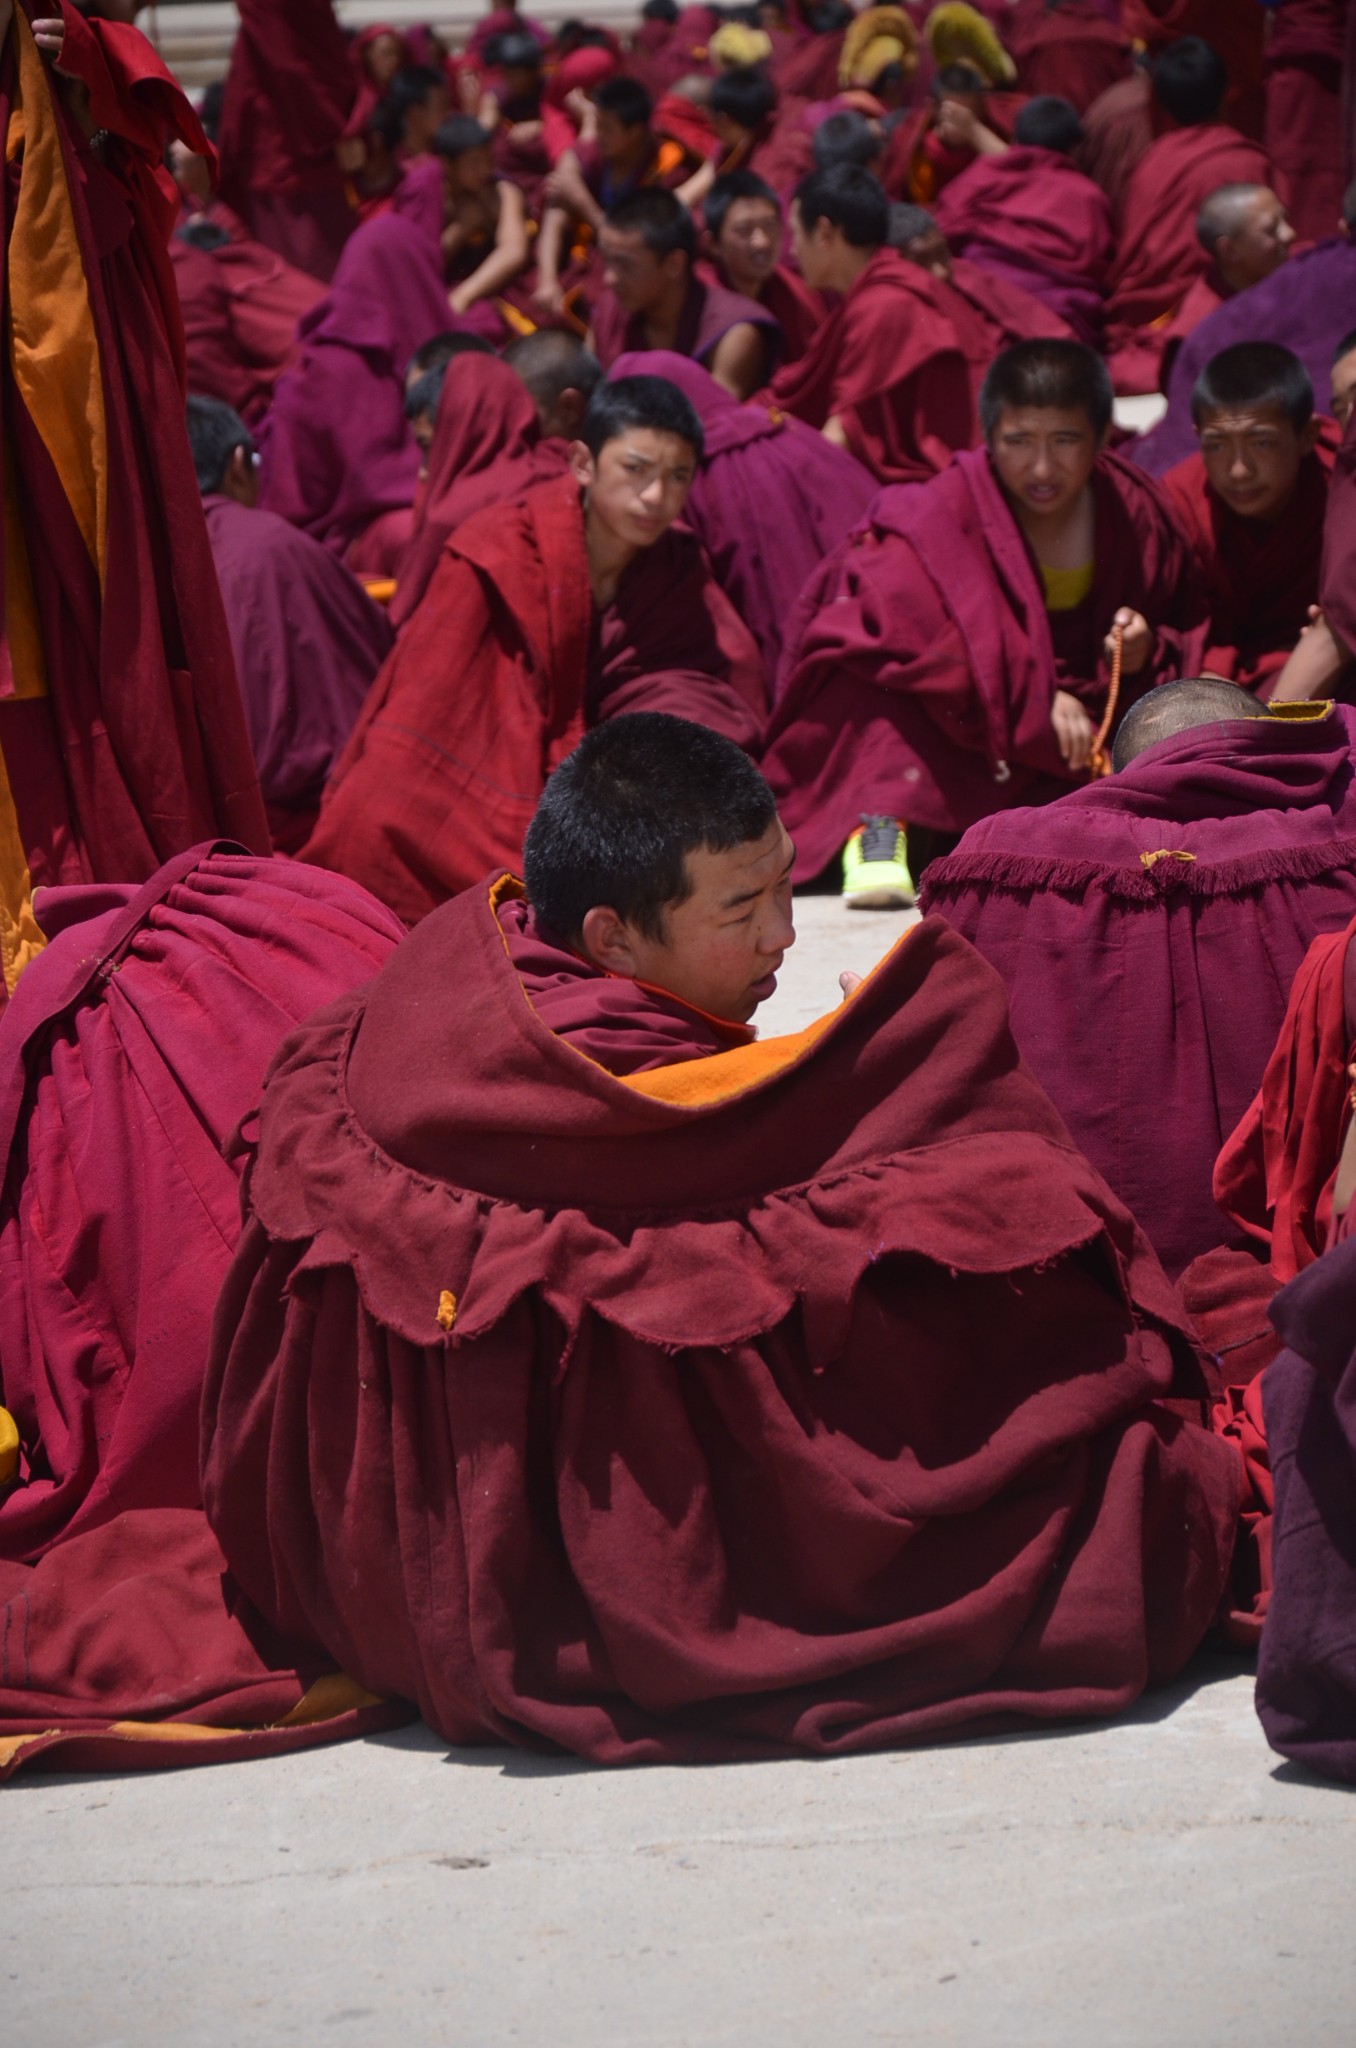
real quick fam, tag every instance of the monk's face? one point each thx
(467, 175)
(1344, 388)
(1260, 244)
(382, 59)
(1253, 457)
(636, 486)
(749, 240)
(422, 123)
(639, 278)
(721, 948)
(619, 142)
(1044, 457)
(818, 250)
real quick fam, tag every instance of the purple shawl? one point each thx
(771, 500)
(336, 450)
(1307, 305)
(1148, 929)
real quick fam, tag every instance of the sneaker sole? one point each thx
(879, 899)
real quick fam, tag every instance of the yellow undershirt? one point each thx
(1065, 589)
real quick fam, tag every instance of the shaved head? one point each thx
(561, 376)
(1176, 708)
(1244, 229)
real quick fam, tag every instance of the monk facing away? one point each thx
(542, 618)
(1254, 501)
(726, 1413)
(954, 657)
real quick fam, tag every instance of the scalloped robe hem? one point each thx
(808, 1398)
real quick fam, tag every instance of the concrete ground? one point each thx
(1161, 1880)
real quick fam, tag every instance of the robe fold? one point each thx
(989, 313)
(772, 498)
(1033, 218)
(241, 307)
(1304, 129)
(709, 312)
(308, 642)
(1236, 33)
(799, 312)
(497, 677)
(654, 1450)
(1158, 257)
(1259, 580)
(1306, 1669)
(1072, 48)
(290, 94)
(336, 453)
(889, 364)
(1117, 130)
(122, 738)
(1126, 918)
(131, 1052)
(487, 448)
(922, 664)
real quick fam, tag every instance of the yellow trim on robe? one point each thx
(9, 1447)
(1066, 589)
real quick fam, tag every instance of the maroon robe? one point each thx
(922, 663)
(709, 312)
(241, 305)
(799, 312)
(1337, 589)
(1033, 218)
(1067, 47)
(289, 95)
(1117, 130)
(621, 1364)
(308, 642)
(1158, 257)
(1304, 129)
(133, 1049)
(1259, 581)
(890, 365)
(989, 313)
(437, 783)
(1236, 33)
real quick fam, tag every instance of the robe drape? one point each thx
(657, 1456)
(1236, 34)
(241, 307)
(496, 678)
(1304, 129)
(1032, 217)
(1072, 48)
(922, 664)
(709, 312)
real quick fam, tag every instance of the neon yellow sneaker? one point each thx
(876, 867)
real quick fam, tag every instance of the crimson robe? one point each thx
(799, 312)
(1033, 218)
(1259, 581)
(1304, 131)
(723, 1420)
(709, 312)
(437, 781)
(487, 448)
(1067, 47)
(1237, 35)
(889, 364)
(122, 738)
(916, 166)
(1158, 257)
(290, 93)
(241, 307)
(131, 1053)
(1117, 130)
(922, 664)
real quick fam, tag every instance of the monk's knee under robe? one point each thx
(811, 1396)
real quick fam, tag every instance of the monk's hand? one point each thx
(957, 126)
(548, 298)
(849, 982)
(1074, 730)
(50, 37)
(351, 152)
(1139, 640)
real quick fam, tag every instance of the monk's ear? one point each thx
(1309, 438)
(582, 466)
(606, 941)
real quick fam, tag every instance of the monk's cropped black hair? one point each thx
(745, 96)
(626, 99)
(458, 135)
(214, 434)
(1189, 81)
(909, 224)
(620, 815)
(959, 78)
(1048, 122)
(846, 137)
(1180, 707)
(850, 199)
(723, 194)
(1251, 374)
(513, 50)
(659, 218)
(438, 351)
(1058, 376)
(650, 402)
(412, 86)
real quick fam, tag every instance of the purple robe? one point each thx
(308, 642)
(336, 450)
(1308, 305)
(771, 499)
(1148, 929)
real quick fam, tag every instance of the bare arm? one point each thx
(566, 188)
(1314, 667)
(698, 185)
(505, 260)
(739, 360)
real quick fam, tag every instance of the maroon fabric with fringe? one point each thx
(591, 1442)
(922, 663)
(134, 1046)
(1125, 919)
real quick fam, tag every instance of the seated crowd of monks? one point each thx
(481, 527)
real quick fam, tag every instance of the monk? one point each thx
(1029, 215)
(654, 298)
(1344, 380)
(560, 376)
(1125, 918)
(1304, 128)
(484, 236)
(122, 737)
(511, 108)
(939, 140)
(1073, 48)
(485, 448)
(680, 1363)
(553, 615)
(1253, 502)
(337, 458)
(771, 499)
(741, 113)
(886, 375)
(241, 307)
(424, 384)
(290, 93)
(1158, 256)
(134, 1048)
(1246, 235)
(1237, 34)
(956, 656)
(742, 216)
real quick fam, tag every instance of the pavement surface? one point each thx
(1162, 1879)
